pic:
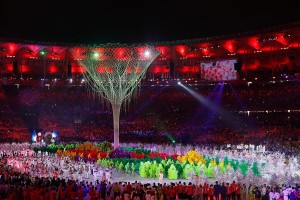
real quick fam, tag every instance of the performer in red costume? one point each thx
(39, 137)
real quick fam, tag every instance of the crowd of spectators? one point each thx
(240, 113)
(17, 186)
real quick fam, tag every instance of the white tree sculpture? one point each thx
(113, 72)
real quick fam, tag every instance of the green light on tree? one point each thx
(96, 54)
(43, 52)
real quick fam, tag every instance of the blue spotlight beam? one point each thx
(198, 111)
(206, 102)
(226, 116)
(213, 91)
(217, 103)
(241, 104)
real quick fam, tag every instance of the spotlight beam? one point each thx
(201, 99)
(217, 102)
(227, 117)
(241, 104)
(197, 113)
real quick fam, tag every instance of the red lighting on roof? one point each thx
(53, 69)
(230, 46)
(181, 49)
(12, 47)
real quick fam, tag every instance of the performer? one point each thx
(55, 174)
(26, 166)
(103, 177)
(108, 175)
(161, 176)
(80, 174)
(100, 173)
(86, 172)
(95, 173)
(39, 137)
(90, 167)
(197, 180)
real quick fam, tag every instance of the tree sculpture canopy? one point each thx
(113, 72)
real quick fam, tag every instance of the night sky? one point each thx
(93, 22)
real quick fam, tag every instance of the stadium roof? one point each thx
(90, 22)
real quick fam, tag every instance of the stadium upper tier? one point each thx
(273, 51)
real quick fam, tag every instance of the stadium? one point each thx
(210, 114)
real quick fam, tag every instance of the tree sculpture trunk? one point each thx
(116, 107)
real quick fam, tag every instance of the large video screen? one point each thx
(219, 70)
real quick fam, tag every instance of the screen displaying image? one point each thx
(219, 70)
